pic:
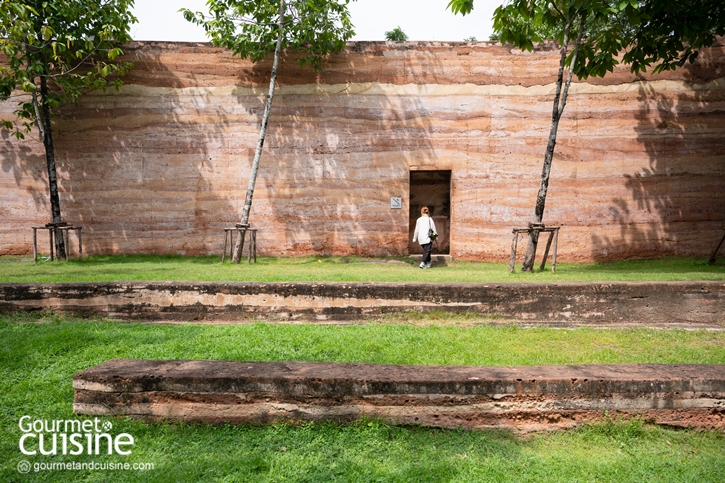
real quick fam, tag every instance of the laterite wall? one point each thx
(162, 166)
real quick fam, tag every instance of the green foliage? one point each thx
(663, 33)
(250, 28)
(71, 44)
(523, 22)
(396, 35)
(669, 33)
(463, 7)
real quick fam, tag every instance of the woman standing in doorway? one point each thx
(423, 227)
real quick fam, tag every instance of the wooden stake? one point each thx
(712, 257)
(546, 251)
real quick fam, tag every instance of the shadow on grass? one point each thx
(671, 265)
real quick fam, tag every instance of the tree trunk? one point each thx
(558, 110)
(52, 172)
(262, 133)
(42, 115)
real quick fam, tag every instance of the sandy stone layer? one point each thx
(522, 398)
(162, 165)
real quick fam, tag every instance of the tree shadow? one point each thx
(676, 203)
(340, 145)
(24, 173)
(162, 166)
(139, 167)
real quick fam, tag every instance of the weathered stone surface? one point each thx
(523, 398)
(650, 304)
(162, 166)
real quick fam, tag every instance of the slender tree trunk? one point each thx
(50, 162)
(262, 133)
(558, 110)
(42, 116)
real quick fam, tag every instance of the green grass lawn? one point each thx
(344, 269)
(39, 355)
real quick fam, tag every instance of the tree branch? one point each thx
(38, 116)
(61, 74)
(553, 5)
(34, 94)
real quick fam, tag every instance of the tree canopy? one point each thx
(70, 44)
(250, 28)
(661, 34)
(669, 33)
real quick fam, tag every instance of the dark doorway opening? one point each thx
(431, 189)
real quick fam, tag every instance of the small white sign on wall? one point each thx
(396, 203)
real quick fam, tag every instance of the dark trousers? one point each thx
(426, 252)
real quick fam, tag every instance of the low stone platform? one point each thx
(521, 398)
(675, 304)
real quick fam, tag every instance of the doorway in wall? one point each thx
(431, 189)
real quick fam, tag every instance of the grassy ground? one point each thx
(345, 269)
(38, 356)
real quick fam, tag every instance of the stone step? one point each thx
(652, 304)
(528, 398)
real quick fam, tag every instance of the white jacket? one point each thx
(422, 226)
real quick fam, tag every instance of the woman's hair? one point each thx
(424, 210)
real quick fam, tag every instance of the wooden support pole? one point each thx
(241, 241)
(224, 249)
(251, 243)
(553, 255)
(711, 261)
(80, 242)
(254, 237)
(514, 244)
(546, 251)
(67, 242)
(35, 245)
(242, 236)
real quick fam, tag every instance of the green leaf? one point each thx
(46, 32)
(61, 35)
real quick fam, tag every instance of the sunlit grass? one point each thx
(345, 269)
(39, 355)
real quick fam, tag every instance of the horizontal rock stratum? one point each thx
(628, 303)
(522, 398)
(163, 164)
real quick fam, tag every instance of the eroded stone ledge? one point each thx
(674, 303)
(521, 398)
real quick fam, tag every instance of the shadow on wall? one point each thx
(336, 152)
(24, 173)
(140, 169)
(163, 165)
(676, 205)
(18, 158)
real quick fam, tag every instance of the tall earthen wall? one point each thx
(162, 166)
